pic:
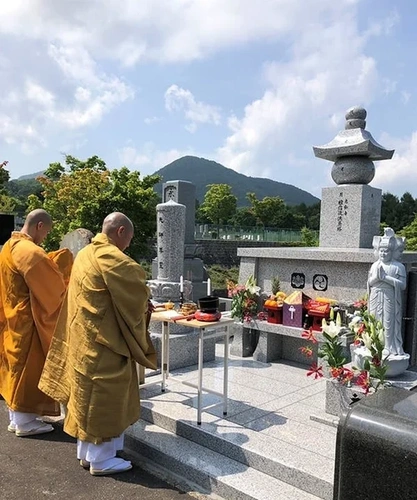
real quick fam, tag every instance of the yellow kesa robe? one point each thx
(31, 293)
(100, 334)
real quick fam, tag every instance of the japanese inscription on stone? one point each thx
(342, 207)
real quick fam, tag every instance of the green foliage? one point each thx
(82, 193)
(410, 232)
(7, 202)
(308, 237)
(244, 217)
(219, 203)
(398, 213)
(220, 275)
(269, 211)
(275, 285)
(21, 189)
(4, 174)
(332, 351)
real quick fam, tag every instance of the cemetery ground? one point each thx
(46, 467)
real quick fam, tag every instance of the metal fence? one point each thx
(233, 233)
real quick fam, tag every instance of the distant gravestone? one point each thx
(182, 192)
(76, 240)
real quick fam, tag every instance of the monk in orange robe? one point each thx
(32, 289)
(100, 336)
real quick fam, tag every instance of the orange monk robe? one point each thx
(64, 259)
(31, 294)
(100, 335)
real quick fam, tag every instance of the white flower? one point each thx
(366, 338)
(251, 286)
(381, 335)
(332, 329)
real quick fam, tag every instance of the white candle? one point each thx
(208, 286)
(181, 284)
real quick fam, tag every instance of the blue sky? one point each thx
(253, 85)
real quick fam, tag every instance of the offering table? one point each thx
(206, 330)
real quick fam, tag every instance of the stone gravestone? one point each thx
(76, 240)
(350, 212)
(170, 253)
(338, 268)
(166, 286)
(184, 192)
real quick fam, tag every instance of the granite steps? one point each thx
(276, 431)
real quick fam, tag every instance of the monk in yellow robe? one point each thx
(100, 335)
(31, 293)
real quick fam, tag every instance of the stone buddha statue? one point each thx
(386, 282)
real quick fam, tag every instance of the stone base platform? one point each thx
(183, 348)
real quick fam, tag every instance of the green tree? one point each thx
(7, 202)
(407, 210)
(309, 238)
(269, 211)
(82, 193)
(390, 205)
(244, 217)
(410, 232)
(219, 204)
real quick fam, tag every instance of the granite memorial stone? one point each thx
(350, 213)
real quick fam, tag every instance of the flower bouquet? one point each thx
(368, 332)
(244, 299)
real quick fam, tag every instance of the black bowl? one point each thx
(210, 303)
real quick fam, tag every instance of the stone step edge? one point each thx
(204, 482)
(291, 475)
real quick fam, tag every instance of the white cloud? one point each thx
(149, 158)
(151, 120)
(405, 96)
(308, 93)
(195, 112)
(399, 174)
(167, 30)
(37, 106)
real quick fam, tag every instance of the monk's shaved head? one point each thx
(37, 225)
(113, 221)
(38, 215)
(119, 228)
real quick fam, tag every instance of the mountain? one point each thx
(30, 176)
(202, 172)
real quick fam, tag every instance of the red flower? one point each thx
(309, 335)
(336, 372)
(361, 329)
(363, 381)
(376, 361)
(357, 342)
(307, 351)
(347, 375)
(315, 370)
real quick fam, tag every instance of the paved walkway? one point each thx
(45, 466)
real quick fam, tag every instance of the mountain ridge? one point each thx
(203, 172)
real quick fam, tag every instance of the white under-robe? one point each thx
(99, 452)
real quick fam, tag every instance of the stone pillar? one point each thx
(182, 192)
(170, 240)
(170, 253)
(351, 212)
(350, 215)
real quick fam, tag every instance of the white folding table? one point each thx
(207, 330)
